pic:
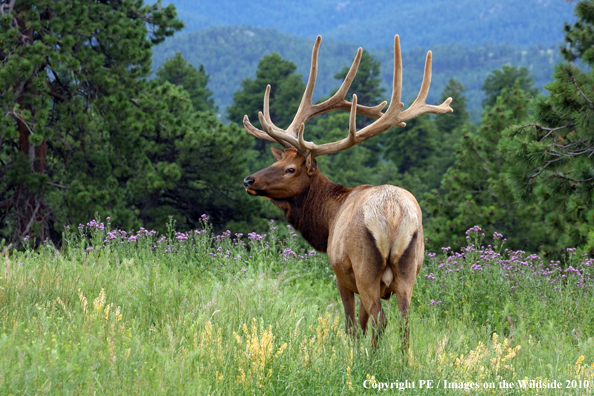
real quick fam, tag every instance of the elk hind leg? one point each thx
(407, 267)
(371, 311)
(348, 303)
(369, 274)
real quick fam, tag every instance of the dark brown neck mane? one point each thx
(312, 211)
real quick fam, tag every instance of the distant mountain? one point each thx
(424, 23)
(231, 53)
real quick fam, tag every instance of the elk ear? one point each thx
(310, 164)
(278, 154)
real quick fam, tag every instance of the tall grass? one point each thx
(193, 313)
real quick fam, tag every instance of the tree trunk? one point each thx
(30, 208)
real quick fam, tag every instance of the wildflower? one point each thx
(371, 379)
(99, 302)
(473, 229)
(348, 380)
(83, 300)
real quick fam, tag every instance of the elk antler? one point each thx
(394, 116)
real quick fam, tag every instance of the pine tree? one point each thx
(447, 123)
(580, 36)
(412, 149)
(506, 77)
(450, 128)
(178, 71)
(71, 73)
(553, 155)
(350, 167)
(473, 191)
(194, 164)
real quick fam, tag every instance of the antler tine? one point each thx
(255, 132)
(271, 132)
(397, 78)
(267, 111)
(267, 105)
(420, 106)
(279, 136)
(303, 113)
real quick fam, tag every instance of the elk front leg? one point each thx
(348, 302)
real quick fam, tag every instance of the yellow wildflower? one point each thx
(348, 380)
(99, 302)
(83, 300)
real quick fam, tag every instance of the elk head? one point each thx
(286, 178)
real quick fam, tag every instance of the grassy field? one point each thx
(197, 314)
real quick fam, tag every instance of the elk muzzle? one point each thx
(248, 182)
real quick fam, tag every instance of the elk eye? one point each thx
(290, 170)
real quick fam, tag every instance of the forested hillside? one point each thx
(423, 23)
(231, 53)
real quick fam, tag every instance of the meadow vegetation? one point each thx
(116, 312)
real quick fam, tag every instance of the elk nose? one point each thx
(248, 182)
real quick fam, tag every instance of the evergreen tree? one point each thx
(450, 128)
(178, 71)
(194, 165)
(473, 191)
(71, 74)
(286, 90)
(506, 77)
(412, 150)
(553, 155)
(448, 122)
(580, 36)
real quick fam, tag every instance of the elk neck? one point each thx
(314, 209)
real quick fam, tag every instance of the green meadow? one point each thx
(192, 313)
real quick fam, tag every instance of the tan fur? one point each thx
(373, 235)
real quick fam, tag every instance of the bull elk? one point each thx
(373, 235)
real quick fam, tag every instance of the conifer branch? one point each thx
(18, 118)
(574, 180)
(550, 130)
(33, 216)
(543, 168)
(580, 91)
(57, 185)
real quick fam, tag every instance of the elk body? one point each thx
(373, 235)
